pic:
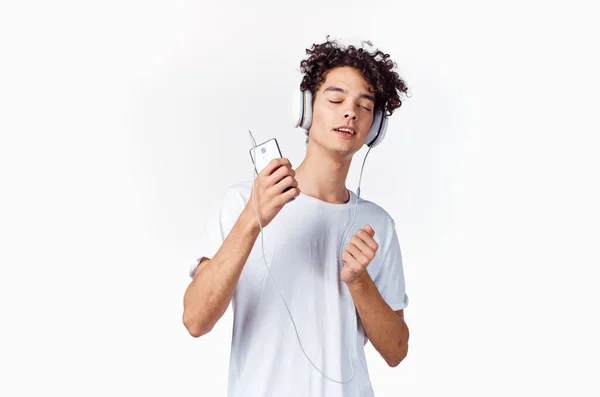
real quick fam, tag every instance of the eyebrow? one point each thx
(338, 89)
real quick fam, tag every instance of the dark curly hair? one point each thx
(376, 69)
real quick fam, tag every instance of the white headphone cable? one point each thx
(353, 341)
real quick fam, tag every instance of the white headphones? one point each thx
(302, 117)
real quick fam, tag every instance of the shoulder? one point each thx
(235, 197)
(241, 189)
(380, 215)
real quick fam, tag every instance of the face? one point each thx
(344, 100)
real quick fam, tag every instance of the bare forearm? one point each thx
(208, 295)
(387, 332)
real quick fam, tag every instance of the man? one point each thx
(320, 352)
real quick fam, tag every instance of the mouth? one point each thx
(346, 131)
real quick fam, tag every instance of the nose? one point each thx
(350, 114)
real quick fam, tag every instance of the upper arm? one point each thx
(216, 229)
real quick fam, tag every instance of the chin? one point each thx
(343, 149)
(337, 146)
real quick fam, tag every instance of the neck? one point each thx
(323, 176)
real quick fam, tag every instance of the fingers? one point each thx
(348, 259)
(274, 165)
(282, 181)
(367, 238)
(361, 249)
(363, 258)
(287, 182)
(290, 194)
(370, 230)
(279, 174)
(277, 182)
(353, 265)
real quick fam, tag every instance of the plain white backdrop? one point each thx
(123, 122)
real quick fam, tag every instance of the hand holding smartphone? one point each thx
(263, 154)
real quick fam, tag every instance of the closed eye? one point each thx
(364, 107)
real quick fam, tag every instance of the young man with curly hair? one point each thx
(336, 305)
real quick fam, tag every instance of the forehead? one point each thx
(348, 78)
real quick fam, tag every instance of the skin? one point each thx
(342, 99)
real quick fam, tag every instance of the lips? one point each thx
(344, 135)
(346, 129)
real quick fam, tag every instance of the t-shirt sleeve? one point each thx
(390, 278)
(220, 222)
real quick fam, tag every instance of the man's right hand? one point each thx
(269, 188)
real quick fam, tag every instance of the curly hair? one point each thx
(376, 69)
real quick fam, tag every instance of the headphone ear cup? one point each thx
(308, 110)
(377, 130)
(297, 108)
(382, 132)
(302, 109)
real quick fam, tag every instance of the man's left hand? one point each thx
(359, 252)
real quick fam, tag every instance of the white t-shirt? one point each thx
(302, 245)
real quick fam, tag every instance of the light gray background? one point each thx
(123, 122)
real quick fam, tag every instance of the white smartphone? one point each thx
(265, 152)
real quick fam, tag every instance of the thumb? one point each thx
(370, 230)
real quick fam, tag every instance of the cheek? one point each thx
(320, 113)
(365, 123)
(322, 117)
